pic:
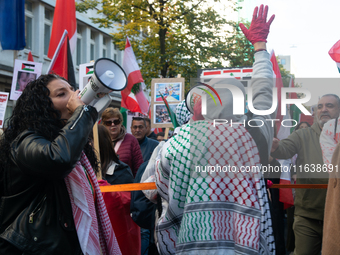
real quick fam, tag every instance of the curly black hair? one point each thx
(34, 111)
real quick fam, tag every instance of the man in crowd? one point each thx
(147, 145)
(142, 211)
(309, 203)
(149, 133)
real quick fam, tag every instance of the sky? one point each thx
(305, 30)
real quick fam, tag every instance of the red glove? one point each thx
(259, 28)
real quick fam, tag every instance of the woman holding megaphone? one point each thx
(50, 199)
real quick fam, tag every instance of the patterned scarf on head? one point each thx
(182, 113)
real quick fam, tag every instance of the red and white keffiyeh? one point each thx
(94, 229)
(329, 140)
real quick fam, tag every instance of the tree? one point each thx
(170, 37)
(240, 50)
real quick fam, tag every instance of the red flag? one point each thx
(278, 85)
(30, 57)
(334, 52)
(64, 19)
(133, 102)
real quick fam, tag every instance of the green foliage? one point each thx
(173, 37)
(240, 52)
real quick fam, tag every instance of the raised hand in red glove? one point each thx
(259, 28)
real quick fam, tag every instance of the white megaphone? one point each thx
(108, 76)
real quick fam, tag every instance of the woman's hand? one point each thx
(74, 101)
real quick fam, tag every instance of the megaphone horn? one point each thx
(108, 76)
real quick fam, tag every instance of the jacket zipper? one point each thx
(36, 210)
(85, 109)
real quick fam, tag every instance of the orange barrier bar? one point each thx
(299, 186)
(128, 187)
(152, 185)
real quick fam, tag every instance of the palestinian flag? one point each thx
(89, 70)
(27, 67)
(64, 19)
(63, 64)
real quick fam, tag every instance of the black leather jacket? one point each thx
(35, 209)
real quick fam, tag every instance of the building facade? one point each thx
(92, 43)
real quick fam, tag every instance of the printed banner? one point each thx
(3, 105)
(85, 73)
(24, 72)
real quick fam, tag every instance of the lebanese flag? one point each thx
(334, 52)
(278, 85)
(133, 102)
(285, 195)
(64, 19)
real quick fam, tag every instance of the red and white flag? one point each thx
(334, 52)
(64, 19)
(285, 195)
(133, 102)
(278, 85)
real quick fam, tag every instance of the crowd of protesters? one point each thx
(51, 201)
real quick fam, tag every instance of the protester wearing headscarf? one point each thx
(218, 212)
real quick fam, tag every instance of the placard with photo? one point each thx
(172, 90)
(24, 72)
(85, 73)
(161, 115)
(3, 105)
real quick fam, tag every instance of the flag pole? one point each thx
(62, 40)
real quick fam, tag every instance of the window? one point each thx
(78, 60)
(283, 61)
(115, 57)
(47, 29)
(92, 56)
(92, 51)
(104, 47)
(28, 24)
(79, 39)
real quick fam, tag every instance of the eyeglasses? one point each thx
(109, 122)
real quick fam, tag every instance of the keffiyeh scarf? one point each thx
(211, 212)
(92, 222)
(182, 113)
